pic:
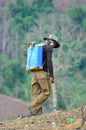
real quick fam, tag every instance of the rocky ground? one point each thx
(59, 120)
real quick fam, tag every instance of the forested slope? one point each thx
(22, 22)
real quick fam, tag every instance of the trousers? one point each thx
(40, 90)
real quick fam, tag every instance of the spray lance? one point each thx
(54, 95)
(54, 99)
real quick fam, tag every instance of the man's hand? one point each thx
(52, 80)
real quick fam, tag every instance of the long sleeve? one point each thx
(49, 63)
(47, 59)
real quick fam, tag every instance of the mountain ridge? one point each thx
(59, 5)
(64, 4)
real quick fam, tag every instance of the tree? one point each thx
(78, 15)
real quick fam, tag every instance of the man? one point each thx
(41, 81)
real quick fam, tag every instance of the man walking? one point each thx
(41, 81)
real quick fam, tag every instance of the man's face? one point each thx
(51, 42)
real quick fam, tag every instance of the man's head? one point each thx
(53, 41)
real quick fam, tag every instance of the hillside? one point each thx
(11, 111)
(59, 120)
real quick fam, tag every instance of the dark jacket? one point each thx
(47, 60)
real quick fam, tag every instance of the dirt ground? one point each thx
(59, 120)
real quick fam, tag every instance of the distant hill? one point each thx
(64, 4)
(4, 2)
(59, 4)
(11, 107)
